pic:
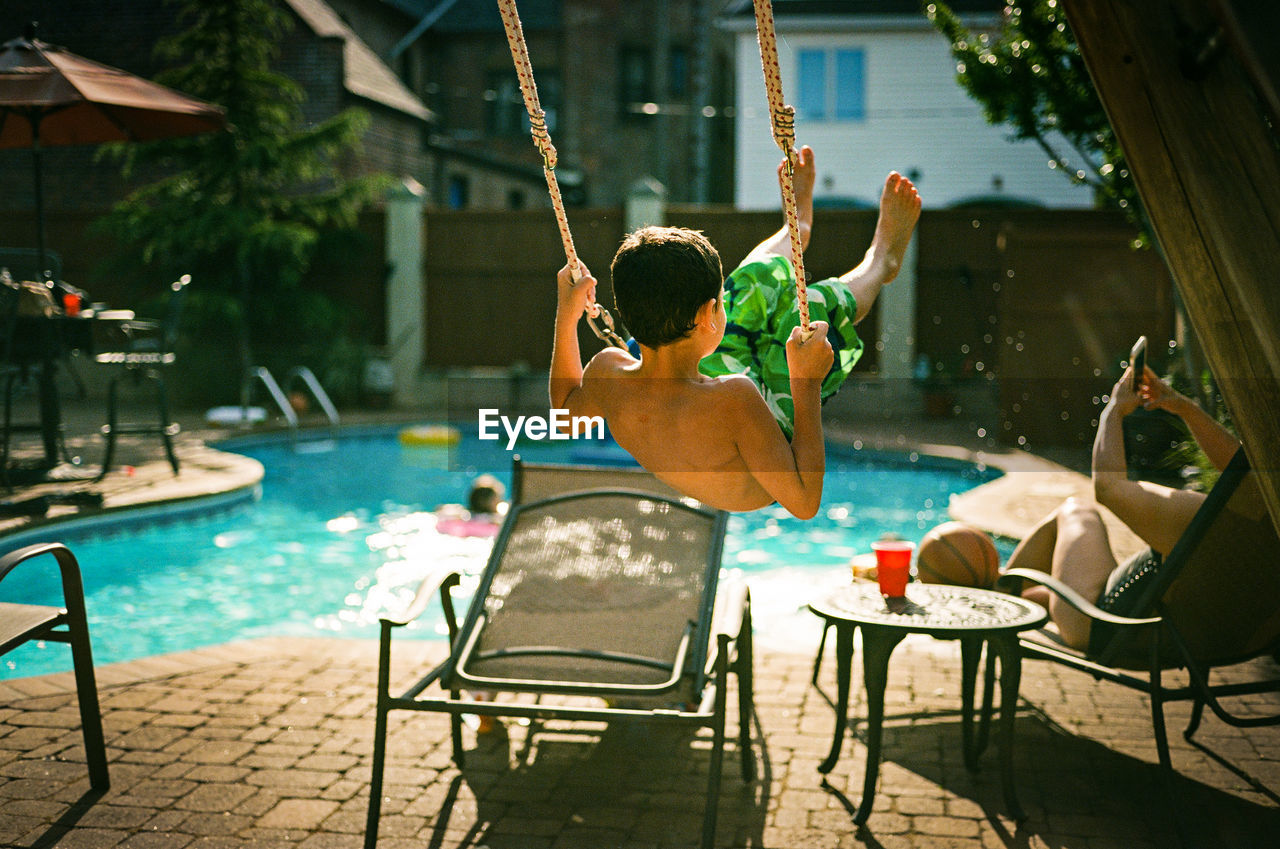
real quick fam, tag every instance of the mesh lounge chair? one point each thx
(534, 481)
(22, 623)
(1215, 602)
(590, 596)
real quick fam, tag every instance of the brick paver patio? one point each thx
(267, 743)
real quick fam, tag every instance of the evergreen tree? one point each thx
(1029, 75)
(241, 209)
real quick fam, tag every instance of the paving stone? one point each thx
(304, 814)
(214, 797)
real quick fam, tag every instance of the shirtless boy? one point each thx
(716, 437)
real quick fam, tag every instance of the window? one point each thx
(635, 81)
(833, 85)
(678, 73)
(459, 191)
(506, 114)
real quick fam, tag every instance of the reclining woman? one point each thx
(1071, 543)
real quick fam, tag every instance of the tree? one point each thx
(1029, 75)
(243, 209)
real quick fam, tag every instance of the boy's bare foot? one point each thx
(899, 212)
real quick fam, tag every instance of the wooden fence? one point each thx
(1046, 301)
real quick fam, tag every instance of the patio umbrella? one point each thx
(49, 96)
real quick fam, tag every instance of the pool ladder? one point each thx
(261, 374)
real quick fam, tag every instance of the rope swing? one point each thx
(542, 140)
(783, 118)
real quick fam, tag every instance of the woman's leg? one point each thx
(1035, 551)
(1082, 560)
(1158, 514)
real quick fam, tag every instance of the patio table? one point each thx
(38, 343)
(973, 616)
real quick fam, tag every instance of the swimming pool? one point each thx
(343, 532)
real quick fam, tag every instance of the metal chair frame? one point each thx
(22, 623)
(707, 663)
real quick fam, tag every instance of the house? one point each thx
(874, 88)
(333, 65)
(631, 89)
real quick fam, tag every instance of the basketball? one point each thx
(958, 554)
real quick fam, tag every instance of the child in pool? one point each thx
(710, 402)
(483, 514)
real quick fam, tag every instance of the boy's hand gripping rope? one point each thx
(542, 139)
(783, 118)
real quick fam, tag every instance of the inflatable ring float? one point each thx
(430, 435)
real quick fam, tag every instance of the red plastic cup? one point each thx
(893, 566)
(71, 304)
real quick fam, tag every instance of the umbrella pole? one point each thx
(39, 189)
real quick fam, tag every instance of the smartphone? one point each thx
(1138, 359)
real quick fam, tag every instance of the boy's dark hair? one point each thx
(661, 276)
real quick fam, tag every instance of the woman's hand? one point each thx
(1124, 400)
(1158, 395)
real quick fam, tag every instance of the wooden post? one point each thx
(1191, 123)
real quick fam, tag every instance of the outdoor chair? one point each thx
(599, 605)
(1215, 602)
(22, 623)
(27, 264)
(144, 349)
(535, 481)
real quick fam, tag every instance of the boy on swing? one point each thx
(724, 401)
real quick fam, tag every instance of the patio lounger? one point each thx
(1215, 602)
(22, 623)
(595, 605)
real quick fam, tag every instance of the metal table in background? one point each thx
(974, 617)
(38, 343)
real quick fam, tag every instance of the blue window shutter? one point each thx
(811, 103)
(851, 85)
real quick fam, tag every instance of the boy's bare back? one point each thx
(713, 439)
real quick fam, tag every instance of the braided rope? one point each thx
(542, 140)
(783, 119)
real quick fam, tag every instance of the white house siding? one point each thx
(918, 118)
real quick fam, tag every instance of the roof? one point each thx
(830, 8)
(364, 74)
(481, 15)
(740, 14)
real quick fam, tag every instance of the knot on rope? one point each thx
(542, 138)
(784, 126)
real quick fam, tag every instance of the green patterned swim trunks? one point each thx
(760, 300)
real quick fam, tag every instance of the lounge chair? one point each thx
(1215, 602)
(534, 481)
(22, 623)
(606, 602)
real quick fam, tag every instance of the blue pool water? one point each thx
(344, 533)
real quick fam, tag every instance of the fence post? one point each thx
(897, 303)
(406, 288)
(645, 205)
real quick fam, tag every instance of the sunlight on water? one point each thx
(342, 537)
